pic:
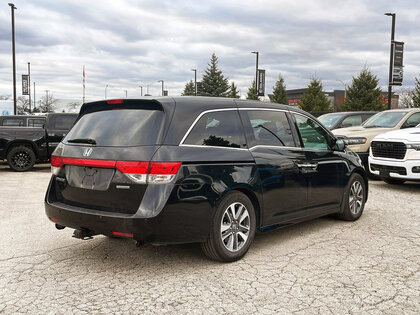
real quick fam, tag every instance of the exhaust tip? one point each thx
(59, 227)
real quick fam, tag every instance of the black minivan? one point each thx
(198, 169)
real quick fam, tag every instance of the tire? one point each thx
(234, 246)
(21, 158)
(393, 181)
(354, 199)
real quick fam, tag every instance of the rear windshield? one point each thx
(119, 127)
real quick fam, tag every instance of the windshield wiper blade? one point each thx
(373, 126)
(82, 140)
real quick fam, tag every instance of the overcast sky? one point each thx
(130, 43)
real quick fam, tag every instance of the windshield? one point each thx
(118, 127)
(384, 120)
(329, 120)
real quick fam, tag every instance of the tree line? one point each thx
(362, 94)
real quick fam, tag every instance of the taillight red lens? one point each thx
(88, 162)
(122, 234)
(164, 168)
(116, 101)
(129, 167)
(56, 161)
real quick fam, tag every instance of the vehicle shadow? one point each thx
(41, 167)
(407, 186)
(105, 253)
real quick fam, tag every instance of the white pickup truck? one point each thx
(395, 156)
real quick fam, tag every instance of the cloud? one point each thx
(130, 43)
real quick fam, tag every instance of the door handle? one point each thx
(311, 165)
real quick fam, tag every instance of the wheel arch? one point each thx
(18, 142)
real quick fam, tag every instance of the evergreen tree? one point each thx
(364, 93)
(415, 95)
(314, 99)
(251, 92)
(233, 93)
(279, 91)
(189, 89)
(213, 82)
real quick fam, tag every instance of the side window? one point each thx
(412, 121)
(313, 135)
(38, 122)
(16, 122)
(220, 129)
(271, 128)
(354, 120)
(64, 122)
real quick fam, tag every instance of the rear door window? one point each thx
(119, 127)
(271, 128)
(64, 122)
(220, 129)
(36, 122)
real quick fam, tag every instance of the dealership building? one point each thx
(336, 97)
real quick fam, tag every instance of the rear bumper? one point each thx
(394, 169)
(178, 222)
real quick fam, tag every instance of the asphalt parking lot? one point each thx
(323, 266)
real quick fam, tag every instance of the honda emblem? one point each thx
(87, 152)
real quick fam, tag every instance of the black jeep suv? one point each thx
(196, 169)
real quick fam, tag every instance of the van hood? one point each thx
(409, 134)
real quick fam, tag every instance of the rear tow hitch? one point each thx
(83, 234)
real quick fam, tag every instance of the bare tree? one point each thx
(405, 99)
(74, 106)
(46, 104)
(22, 104)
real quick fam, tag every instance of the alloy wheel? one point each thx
(21, 160)
(235, 227)
(356, 197)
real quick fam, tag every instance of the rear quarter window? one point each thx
(220, 129)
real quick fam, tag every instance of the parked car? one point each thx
(198, 169)
(395, 156)
(23, 146)
(22, 121)
(344, 119)
(360, 138)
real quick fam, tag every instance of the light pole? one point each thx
(162, 85)
(34, 97)
(125, 93)
(47, 100)
(106, 86)
(29, 85)
(13, 8)
(141, 90)
(256, 72)
(390, 58)
(195, 81)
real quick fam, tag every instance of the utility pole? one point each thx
(256, 72)
(29, 86)
(106, 86)
(125, 93)
(34, 97)
(13, 8)
(391, 61)
(195, 81)
(162, 85)
(141, 90)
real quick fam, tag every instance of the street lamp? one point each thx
(256, 72)
(390, 58)
(13, 8)
(106, 86)
(125, 93)
(162, 85)
(195, 81)
(141, 90)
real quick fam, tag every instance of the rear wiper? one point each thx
(82, 140)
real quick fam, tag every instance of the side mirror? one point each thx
(339, 145)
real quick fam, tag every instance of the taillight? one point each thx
(152, 173)
(56, 164)
(139, 172)
(115, 101)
